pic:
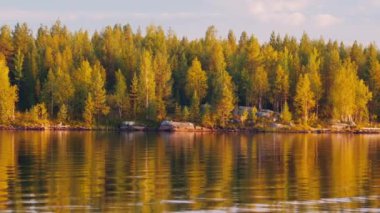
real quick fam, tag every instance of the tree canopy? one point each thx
(118, 73)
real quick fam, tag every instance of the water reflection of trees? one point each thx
(157, 172)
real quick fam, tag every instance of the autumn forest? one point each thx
(117, 74)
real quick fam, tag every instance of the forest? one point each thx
(56, 75)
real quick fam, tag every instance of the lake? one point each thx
(145, 172)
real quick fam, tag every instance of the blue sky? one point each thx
(339, 20)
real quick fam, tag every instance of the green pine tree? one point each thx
(185, 114)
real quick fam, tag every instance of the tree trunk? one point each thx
(260, 102)
(306, 113)
(52, 106)
(317, 110)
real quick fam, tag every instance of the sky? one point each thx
(345, 21)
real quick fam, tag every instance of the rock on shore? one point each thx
(173, 126)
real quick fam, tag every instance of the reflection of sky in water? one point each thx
(43, 171)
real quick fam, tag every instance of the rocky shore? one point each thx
(47, 128)
(170, 126)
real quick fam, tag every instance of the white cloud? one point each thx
(374, 2)
(327, 20)
(289, 12)
(295, 18)
(186, 15)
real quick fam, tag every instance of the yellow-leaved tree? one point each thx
(196, 80)
(8, 94)
(349, 95)
(147, 87)
(304, 100)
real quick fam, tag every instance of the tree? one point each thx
(222, 93)
(39, 113)
(313, 68)
(216, 68)
(373, 66)
(230, 50)
(362, 97)
(163, 82)
(30, 84)
(146, 81)
(332, 65)
(177, 112)
(98, 94)
(58, 89)
(244, 116)
(225, 100)
(134, 95)
(349, 95)
(286, 115)
(207, 119)
(253, 114)
(250, 59)
(120, 93)
(6, 44)
(151, 112)
(254, 58)
(64, 88)
(305, 48)
(373, 69)
(8, 94)
(49, 89)
(357, 56)
(259, 86)
(18, 67)
(343, 93)
(180, 67)
(185, 113)
(62, 115)
(82, 75)
(194, 108)
(196, 80)
(88, 113)
(281, 87)
(82, 83)
(22, 37)
(304, 100)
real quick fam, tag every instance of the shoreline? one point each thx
(363, 131)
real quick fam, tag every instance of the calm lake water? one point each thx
(73, 171)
